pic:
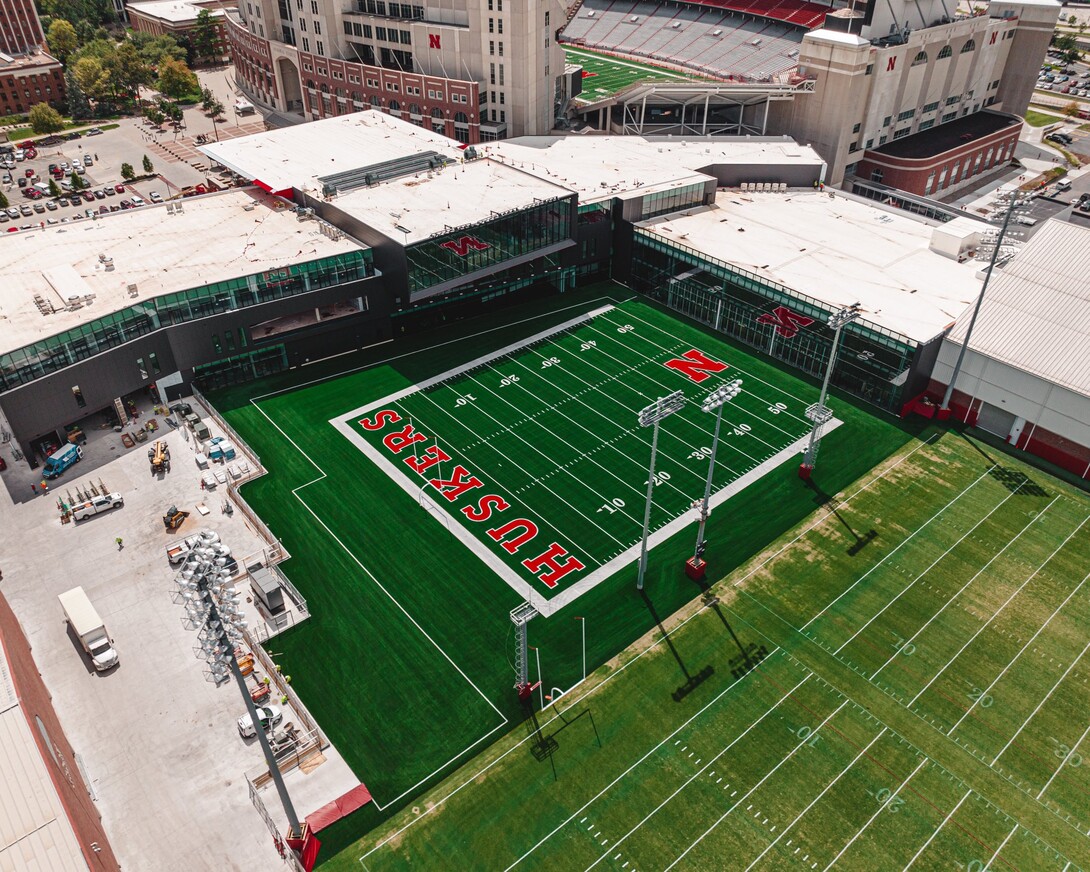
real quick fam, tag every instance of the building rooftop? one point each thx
(240, 232)
(173, 11)
(837, 250)
(415, 202)
(25, 62)
(35, 832)
(604, 167)
(937, 140)
(1034, 314)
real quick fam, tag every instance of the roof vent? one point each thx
(717, 32)
(634, 19)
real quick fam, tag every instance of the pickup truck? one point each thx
(97, 505)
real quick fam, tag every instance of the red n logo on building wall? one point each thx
(890, 64)
(787, 322)
(433, 40)
(463, 246)
(992, 40)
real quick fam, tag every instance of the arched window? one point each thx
(437, 113)
(324, 88)
(969, 46)
(945, 53)
(461, 118)
(395, 106)
(310, 84)
(414, 109)
(921, 58)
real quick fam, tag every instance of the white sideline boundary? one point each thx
(545, 606)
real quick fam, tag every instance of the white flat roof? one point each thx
(837, 250)
(295, 157)
(423, 203)
(174, 11)
(35, 832)
(1034, 314)
(427, 204)
(215, 238)
(603, 167)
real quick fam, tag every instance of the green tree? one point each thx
(3, 200)
(1069, 45)
(153, 115)
(152, 49)
(1072, 20)
(207, 98)
(176, 80)
(127, 70)
(204, 36)
(61, 39)
(77, 181)
(44, 119)
(148, 167)
(79, 107)
(54, 188)
(91, 77)
(127, 172)
(216, 109)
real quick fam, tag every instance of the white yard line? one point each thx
(1002, 845)
(910, 538)
(748, 793)
(1032, 576)
(1021, 651)
(697, 774)
(1033, 713)
(666, 739)
(401, 608)
(938, 829)
(932, 565)
(881, 808)
(815, 800)
(1071, 753)
(961, 590)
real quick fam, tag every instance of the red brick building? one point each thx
(942, 158)
(27, 74)
(179, 18)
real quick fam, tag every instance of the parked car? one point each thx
(88, 196)
(99, 195)
(119, 188)
(51, 205)
(109, 192)
(94, 131)
(155, 197)
(87, 161)
(39, 208)
(269, 716)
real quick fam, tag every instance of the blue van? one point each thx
(61, 459)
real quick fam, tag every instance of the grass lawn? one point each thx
(604, 74)
(407, 660)
(897, 682)
(28, 133)
(1040, 119)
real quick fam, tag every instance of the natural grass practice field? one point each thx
(607, 75)
(922, 704)
(407, 659)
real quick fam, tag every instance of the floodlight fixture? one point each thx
(651, 416)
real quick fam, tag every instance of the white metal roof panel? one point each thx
(1034, 314)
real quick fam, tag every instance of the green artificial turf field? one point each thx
(605, 74)
(406, 660)
(922, 703)
(536, 458)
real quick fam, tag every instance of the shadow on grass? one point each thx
(692, 681)
(833, 505)
(1013, 480)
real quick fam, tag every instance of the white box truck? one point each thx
(88, 626)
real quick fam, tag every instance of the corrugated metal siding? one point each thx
(35, 835)
(1036, 314)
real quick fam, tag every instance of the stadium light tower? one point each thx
(819, 413)
(650, 416)
(696, 565)
(944, 409)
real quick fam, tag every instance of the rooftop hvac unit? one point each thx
(794, 53)
(717, 33)
(590, 14)
(757, 41)
(676, 25)
(634, 19)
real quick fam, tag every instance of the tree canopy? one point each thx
(61, 39)
(44, 119)
(176, 80)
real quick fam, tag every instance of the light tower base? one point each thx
(696, 568)
(805, 470)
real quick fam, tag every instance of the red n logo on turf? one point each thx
(433, 40)
(787, 322)
(463, 246)
(548, 568)
(695, 365)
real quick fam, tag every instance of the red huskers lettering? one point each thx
(459, 482)
(548, 568)
(386, 416)
(529, 530)
(485, 505)
(403, 438)
(433, 454)
(695, 365)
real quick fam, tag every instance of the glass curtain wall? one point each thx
(34, 361)
(872, 362)
(461, 252)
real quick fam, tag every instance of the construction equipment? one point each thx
(159, 457)
(173, 519)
